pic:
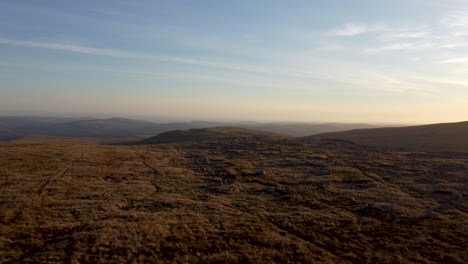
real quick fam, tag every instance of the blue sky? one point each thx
(325, 61)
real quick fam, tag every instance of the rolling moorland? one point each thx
(12, 128)
(447, 137)
(230, 195)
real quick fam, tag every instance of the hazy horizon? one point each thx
(367, 61)
(175, 120)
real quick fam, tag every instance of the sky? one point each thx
(398, 61)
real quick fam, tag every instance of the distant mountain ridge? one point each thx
(15, 127)
(444, 137)
(102, 128)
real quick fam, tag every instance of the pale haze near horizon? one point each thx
(316, 61)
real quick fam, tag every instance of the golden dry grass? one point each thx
(41, 139)
(320, 202)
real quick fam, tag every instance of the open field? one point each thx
(231, 201)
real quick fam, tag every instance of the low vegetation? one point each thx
(231, 200)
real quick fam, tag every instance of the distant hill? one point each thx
(118, 127)
(303, 129)
(15, 127)
(216, 133)
(112, 127)
(27, 122)
(12, 127)
(446, 137)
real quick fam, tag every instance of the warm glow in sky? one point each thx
(326, 60)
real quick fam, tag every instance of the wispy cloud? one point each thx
(329, 47)
(450, 31)
(384, 32)
(405, 34)
(454, 60)
(351, 30)
(402, 46)
(455, 20)
(443, 81)
(387, 82)
(257, 69)
(71, 48)
(133, 55)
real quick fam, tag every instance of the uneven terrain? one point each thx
(13, 127)
(210, 134)
(232, 200)
(446, 137)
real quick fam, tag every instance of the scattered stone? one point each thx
(216, 183)
(372, 185)
(261, 172)
(229, 181)
(396, 221)
(457, 196)
(146, 173)
(446, 192)
(365, 220)
(383, 207)
(360, 202)
(206, 160)
(318, 156)
(430, 214)
(292, 198)
(366, 186)
(445, 207)
(350, 198)
(267, 189)
(324, 172)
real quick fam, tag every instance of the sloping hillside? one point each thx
(304, 129)
(216, 133)
(447, 137)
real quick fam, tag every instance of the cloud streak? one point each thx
(71, 48)
(402, 46)
(385, 83)
(455, 20)
(140, 56)
(449, 31)
(351, 29)
(454, 60)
